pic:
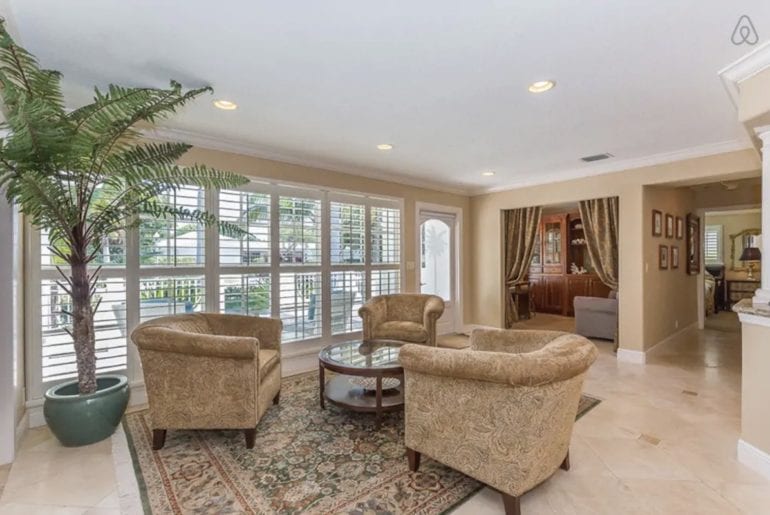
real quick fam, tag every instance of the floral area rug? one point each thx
(305, 460)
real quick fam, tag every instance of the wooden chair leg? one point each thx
(277, 398)
(565, 463)
(414, 459)
(158, 439)
(512, 504)
(251, 435)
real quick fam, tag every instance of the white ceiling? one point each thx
(445, 81)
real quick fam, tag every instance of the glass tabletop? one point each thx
(361, 354)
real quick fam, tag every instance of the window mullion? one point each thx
(132, 301)
(368, 251)
(326, 282)
(211, 255)
(275, 255)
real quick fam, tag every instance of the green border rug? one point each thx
(305, 460)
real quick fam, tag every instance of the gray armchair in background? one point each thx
(597, 317)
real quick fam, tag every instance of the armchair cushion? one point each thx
(405, 331)
(268, 359)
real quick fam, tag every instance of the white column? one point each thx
(762, 295)
(9, 358)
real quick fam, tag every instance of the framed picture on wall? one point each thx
(674, 257)
(693, 244)
(657, 223)
(663, 257)
(679, 228)
(669, 226)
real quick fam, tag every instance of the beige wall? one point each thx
(486, 297)
(755, 418)
(747, 193)
(670, 296)
(733, 224)
(278, 171)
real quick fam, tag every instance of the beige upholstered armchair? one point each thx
(406, 317)
(209, 371)
(500, 412)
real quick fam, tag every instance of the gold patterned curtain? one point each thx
(600, 225)
(520, 227)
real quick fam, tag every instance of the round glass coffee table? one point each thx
(368, 377)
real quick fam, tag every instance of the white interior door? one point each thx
(437, 270)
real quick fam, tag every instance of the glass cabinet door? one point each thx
(552, 243)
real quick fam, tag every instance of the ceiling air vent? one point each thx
(596, 157)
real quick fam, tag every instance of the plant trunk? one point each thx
(83, 328)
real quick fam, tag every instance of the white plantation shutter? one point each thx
(171, 241)
(251, 212)
(712, 244)
(300, 305)
(386, 235)
(312, 259)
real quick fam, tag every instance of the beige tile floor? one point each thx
(661, 442)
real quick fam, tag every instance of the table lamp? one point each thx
(751, 255)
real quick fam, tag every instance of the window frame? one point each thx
(211, 271)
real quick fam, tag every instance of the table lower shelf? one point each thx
(341, 392)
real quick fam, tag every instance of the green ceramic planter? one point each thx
(84, 419)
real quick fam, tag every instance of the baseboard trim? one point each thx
(468, 328)
(636, 357)
(754, 458)
(639, 357)
(668, 339)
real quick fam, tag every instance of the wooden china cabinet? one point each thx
(560, 241)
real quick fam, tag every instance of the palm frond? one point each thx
(164, 211)
(22, 71)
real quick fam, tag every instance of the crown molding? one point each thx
(236, 147)
(623, 164)
(729, 212)
(744, 68)
(213, 143)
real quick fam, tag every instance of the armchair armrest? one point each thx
(372, 314)
(434, 308)
(163, 339)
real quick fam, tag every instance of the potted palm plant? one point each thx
(81, 175)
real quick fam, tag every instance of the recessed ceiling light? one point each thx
(541, 86)
(225, 105)
(384, 146)
(488, 173)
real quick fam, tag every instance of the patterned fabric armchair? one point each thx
(500, 412)
(406, 317)
(209, 371)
